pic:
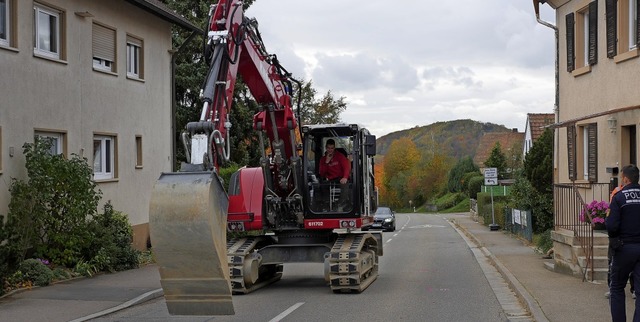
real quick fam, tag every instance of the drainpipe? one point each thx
(174, 103)
(556, 107)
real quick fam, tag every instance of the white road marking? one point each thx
(286, 312)
(394, 235)
(390, 239)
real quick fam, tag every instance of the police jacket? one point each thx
(624, 214)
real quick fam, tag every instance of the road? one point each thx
(427, 273)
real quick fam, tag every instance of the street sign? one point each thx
(491, 172)
(490, 181)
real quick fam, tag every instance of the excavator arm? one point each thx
(188, 209)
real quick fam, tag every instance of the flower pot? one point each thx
(599, 226)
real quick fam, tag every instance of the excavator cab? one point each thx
(330, 199)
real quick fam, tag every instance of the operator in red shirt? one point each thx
(335, 168)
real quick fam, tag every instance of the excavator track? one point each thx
(246, 270)
(352, 264)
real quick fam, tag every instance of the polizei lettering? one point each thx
(315, 224)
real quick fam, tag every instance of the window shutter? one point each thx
(104, 43)
(571, 151)
(637, 21)
(570, 19)
(593, 32)
(612, 26)
(134, 41)
(592, 131)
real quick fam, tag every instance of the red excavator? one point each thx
(282, 210)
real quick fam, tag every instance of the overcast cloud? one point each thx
(402, 64)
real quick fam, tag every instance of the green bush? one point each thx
(474, 186)
(111, 245)
(48, 214)
(545, 242)
(484, 208)
(35, 271)
(449, 200)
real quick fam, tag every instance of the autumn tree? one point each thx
(400, 159)
(325, 110)
(497, 160)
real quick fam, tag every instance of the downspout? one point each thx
(556, 107)
(174, 101)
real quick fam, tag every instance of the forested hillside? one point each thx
(455, 139)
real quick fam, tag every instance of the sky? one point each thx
(401, 64)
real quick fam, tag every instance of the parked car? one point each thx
(384, 219)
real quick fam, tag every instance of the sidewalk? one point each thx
(549, 296)
(80, 299)
(558, 297)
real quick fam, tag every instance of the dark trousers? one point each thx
(609, 258)
(626, 260)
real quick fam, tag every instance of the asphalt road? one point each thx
(427, 273)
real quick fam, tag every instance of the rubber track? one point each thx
(237, 251)
(353, 263)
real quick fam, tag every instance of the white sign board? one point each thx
(491, 172)
(516, 216)
(490, 181)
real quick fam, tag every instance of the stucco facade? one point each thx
(68, 96)
(603, 93)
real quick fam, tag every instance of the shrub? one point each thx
(474, 186)
(111, 248)
(545, 242)
(484, 208)
(48, 213)
(35, 271)
(449, 200)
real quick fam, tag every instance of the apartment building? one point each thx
(96, 77)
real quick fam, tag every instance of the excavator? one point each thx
(279, 212)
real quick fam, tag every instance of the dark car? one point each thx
(385, 219)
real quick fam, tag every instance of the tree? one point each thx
(398, 164)
(326, 110)
(463, 166)
(538, 163)
(533, 188)
(498, 160)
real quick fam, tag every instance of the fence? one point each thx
(519, 222)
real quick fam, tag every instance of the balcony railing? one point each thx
(568, 201)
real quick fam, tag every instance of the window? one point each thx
(47, 32)
(134, 57)
(5, 22)
(138, 151)
(104, 150)
(104, 48)
(622, 29)
(57, 141)
(582, 39)
(587, 149)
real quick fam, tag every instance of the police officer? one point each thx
(623, 226)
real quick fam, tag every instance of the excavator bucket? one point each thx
(188, 222)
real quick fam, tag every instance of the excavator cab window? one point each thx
(326, 194)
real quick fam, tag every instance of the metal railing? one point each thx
(568, 201)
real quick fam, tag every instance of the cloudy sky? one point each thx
(402, 64)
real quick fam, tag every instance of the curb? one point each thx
(519, 289)
(140, 299)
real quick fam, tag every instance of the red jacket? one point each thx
(339, 167)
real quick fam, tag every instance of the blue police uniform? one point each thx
(623, 224)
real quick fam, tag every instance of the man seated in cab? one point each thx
(335, 169)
